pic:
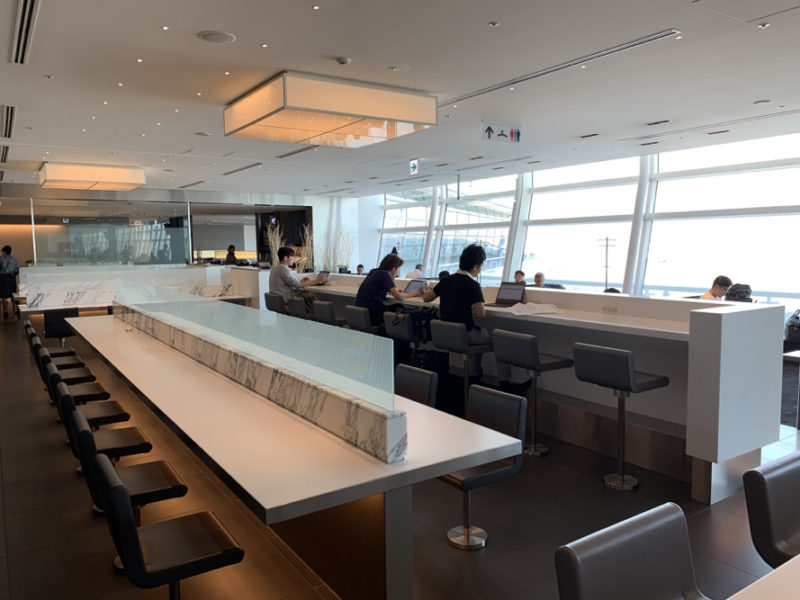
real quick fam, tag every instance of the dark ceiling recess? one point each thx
(6, 120)
(23, 31)
(661, 122)
(240, 169)
(3, 159)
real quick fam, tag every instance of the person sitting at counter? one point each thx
(230, 258)
(372, 291)
(443, 274)
(538, 280)
(519, 276)
(419, 271)
(461, 301)
(284, 283)
(718, 288)
(360, 270)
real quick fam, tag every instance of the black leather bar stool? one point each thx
(324, 313)
(114, 443)
(55, 326)
(81, 392)
(274, 303)
(417, 384)
(399, 326)
(522, 350)
(30, 332)
(358, 319)
(646, 556)
(771, 492)
(452, 337)
(613, 368)
(97, 413)
(176, 548)
(504, 413)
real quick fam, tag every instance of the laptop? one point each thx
(325, 275)
(510, 293)
(415, 285)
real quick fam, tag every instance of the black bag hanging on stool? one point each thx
(791, 333)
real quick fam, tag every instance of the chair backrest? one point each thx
(54, 324)
(399, 327)
(42, 356)
(646, 556)
(518, 349)
(772, 491)
(609, 367)
(52, 377)
(66, 409)
(86, 450)
(121, 521)
(417, 384)
(358, 318)
(323, 312)
(449, 336)
(274, 303)
(500, 411)
(297, 307)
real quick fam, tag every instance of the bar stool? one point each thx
(358, 319)
(522, 350)
(297, 308)
(613, 368)
(274, 303)
(324, 313)
(453, 338)
(399, 326)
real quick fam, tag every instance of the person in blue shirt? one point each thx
(372, 291)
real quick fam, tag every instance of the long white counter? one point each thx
(281, 465)
(723, 360)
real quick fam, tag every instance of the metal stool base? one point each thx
(536, 450)
(467, 539)
(117, 564)
(624, 483)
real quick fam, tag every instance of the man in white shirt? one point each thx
(418, 272)
(283, 282)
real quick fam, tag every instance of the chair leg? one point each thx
(618, 480)
(175, 590)
(533, 448)
(466, 382)
(466, 536)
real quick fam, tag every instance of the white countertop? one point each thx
(287, 465)
(780, 584)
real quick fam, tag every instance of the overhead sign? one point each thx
(507, 134)
(413, 166)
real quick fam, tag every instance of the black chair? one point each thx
(114, 443)
(55, 351)
(98, 413)
(772, 492)
(274, 303)
(64, 363)
(452, 337)
(176, 548)
(646, 556)
(504, 413)
(613, 368)
(399, 326)
(324, 313)
(417, 384)
(81, 392)
(297, 308)
(358, 319)
(54, 324)
(522, 350)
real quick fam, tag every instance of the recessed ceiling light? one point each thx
(511, 89)
(583, 66)
(315, 6)
(227, 72)
(202, 133)
(678, 37)
(165, 28)
(762, 25)
(138, 60)
(494, 23)
(373, 177)
(47, 152)
(144, 134)
(93, 117)
(83, 130)
(217, 37)
(765, 101)
(455, 105)
(265, 45)
(177, 110)
(105, 101)
(661, 122)
(392, 68)
(199, 93)
(158, 124)
(781, 106)
(119, 84)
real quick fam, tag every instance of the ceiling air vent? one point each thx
(240, 169)
(293, 152)
(3, 159)
(27, 10)
(6, 121)
(188, 185)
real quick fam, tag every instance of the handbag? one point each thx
(791, 333)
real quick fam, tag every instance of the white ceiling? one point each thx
(706, 81)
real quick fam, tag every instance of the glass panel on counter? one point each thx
(356, 363)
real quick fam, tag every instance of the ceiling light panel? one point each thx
(311, 109)
(90, 177)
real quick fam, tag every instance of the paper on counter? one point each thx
(534, 309)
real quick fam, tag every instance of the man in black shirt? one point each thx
(462, 302)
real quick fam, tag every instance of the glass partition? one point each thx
(351, 361)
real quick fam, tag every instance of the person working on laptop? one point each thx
(519, 276)
(372, 291)
(461, 301)
(283, 282)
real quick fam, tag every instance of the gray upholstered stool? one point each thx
(522, 350)
(399, 326)
(417, 384)
(771, 492)
(297, 308)
(613, 368)
(504, 413)
(453, 338)
(646, 556)
(274, 303)
(324, 313)
(358, 319)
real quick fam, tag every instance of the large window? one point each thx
(410, 247)
(584, 202)
(493, 241)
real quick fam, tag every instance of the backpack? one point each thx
(738, 292)
(791, 333)
(420, 320)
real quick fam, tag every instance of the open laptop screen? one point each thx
(415, 285)
(510, 293)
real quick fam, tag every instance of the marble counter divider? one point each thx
(376, 431)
